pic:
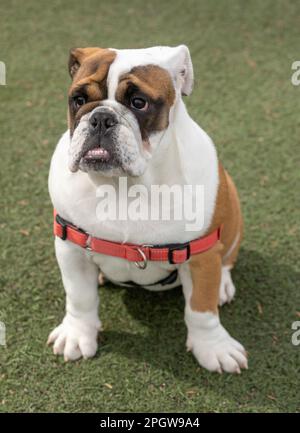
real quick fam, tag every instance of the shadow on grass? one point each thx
(260, 318)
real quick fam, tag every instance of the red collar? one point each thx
(140, 254)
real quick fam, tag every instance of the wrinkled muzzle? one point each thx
(108, 140)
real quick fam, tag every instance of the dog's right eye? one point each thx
(139, 103)
(79, 101)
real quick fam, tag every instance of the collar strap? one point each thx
(172, 253)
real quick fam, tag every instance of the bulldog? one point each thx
(127, 119)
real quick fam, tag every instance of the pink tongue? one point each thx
(98, 153)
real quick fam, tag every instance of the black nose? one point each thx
(101, 121)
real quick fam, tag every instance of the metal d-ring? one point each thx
(143, 264)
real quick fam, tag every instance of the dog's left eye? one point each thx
(79, 101)
(139, 103)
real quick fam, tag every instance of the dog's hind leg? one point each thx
(209, 341)
(231, 237)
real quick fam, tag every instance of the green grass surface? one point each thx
(243, 97)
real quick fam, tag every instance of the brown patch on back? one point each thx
(233, 225)
(89, 68)
(206, 267)
(156, 84)
(228, 213)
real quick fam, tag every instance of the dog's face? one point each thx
(120, 103)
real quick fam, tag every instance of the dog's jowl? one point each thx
(127, 119)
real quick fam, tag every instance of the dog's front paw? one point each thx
(219, 352)
(75, 338)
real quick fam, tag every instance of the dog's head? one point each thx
(120, 104)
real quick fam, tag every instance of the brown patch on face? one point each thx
(89, 69)
(155, 85)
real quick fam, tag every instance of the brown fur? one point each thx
(206, 277)
(156, 84)
(154, 81)
(206, 267)
(89, 69)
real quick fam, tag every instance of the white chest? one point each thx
(76, 198)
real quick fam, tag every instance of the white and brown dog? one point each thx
(127, 118)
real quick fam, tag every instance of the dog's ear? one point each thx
(181, 67)
(77, 56)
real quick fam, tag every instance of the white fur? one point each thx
(227, 289)
(76, 336)
(128, 147)
(184, 154)
(74, 147)
(176, 60)
(210, 343)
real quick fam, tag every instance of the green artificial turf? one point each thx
(243, 97)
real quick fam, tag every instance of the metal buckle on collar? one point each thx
(87, 245)
(179, 247)
(143, 264)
